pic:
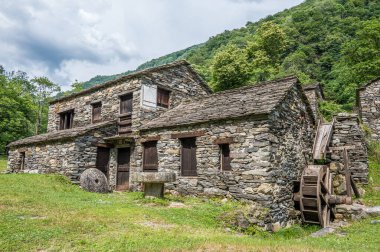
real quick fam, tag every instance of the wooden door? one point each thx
(123, 164)
(102, 159)
(189, 159)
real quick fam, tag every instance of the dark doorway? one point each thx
(123, 164)
(189, 159)
(102, 159)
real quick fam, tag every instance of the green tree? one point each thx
(230, 68)
(265, 51)
(44, 88)
(17, 107)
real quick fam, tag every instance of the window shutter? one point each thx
(149, 96)
(126, 102)
(189, 159)
(150, 162)
(163, 98)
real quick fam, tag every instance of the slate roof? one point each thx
(135, 75)
(257, 99)
(61, 134)
(314, 86)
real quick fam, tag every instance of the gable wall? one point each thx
(291, 147)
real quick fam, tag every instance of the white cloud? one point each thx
(78, 39)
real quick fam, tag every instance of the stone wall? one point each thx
(293, 128)
(69, 157)
(368, 101)
(347, 132)
(179, 80)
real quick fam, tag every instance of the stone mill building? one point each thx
(250, 143)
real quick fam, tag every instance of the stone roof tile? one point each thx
(250, 100)
(61, 134)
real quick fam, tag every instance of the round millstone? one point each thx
(93, 180)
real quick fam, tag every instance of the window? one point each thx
(126, 103)
(225, 159)
(188, 157)
(66, 120)
(125, 121)
(163, 98)
(102, 159)
(96, 112)
(22, 160)
(150, 158)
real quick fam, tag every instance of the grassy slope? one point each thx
(47, 212)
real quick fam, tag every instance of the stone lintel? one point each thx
(153, 177)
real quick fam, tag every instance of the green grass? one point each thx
(47, 212)
(3, 163)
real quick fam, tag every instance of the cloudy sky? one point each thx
(78, 39)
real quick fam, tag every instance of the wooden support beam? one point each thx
(224, 140)
(150, 139)
(347, 173)
(188, 134)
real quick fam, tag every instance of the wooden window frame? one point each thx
(150, 167)
(121, 99)
(94, 106)
(65, 122)
(225, 163)
(193, 156)
(160, 98)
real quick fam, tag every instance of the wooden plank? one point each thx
(188, 134)
(341, 148)
(150, 138)
(347, 173)
(309, 190)
(322, 141)
(224, 140)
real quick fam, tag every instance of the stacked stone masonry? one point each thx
(368, 103)
(347, 132)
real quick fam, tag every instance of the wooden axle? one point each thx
(332, 199)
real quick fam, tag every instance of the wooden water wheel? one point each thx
(314, 194)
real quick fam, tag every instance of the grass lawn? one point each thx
(48, 213)
(3, 163)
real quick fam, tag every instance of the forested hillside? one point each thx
(335, 42)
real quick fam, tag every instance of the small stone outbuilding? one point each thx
(250, 143)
